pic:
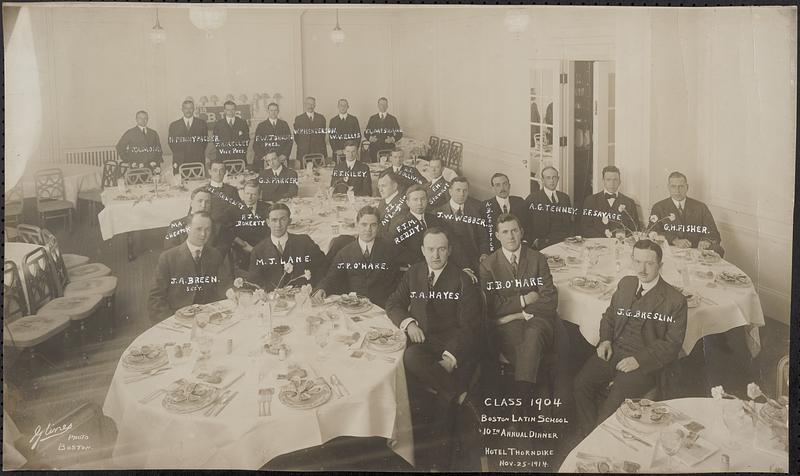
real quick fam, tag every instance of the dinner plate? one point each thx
(190, 397)
(709, 257)
(644, 415)
(354, 305)
(575, 240)
(573, 260)
(556, 262)
(385, 340)
(282, 330)
(732, 279)
(145, 358)
(305, 394)
(587, 285)
(187, 313)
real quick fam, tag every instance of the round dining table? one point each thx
(611, 441)
(16, 252)
(368, 395)
(715, 306)
(77, 177)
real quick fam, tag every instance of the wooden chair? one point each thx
(340, 188)
(51, 201)
(455, 156)
(39, 279)
(138, 176)
(317, 159)
(30, 234)
(92, 195)
(15, 201)
(11, 234)
(192, 170)
(433, 142)
(443, 151)
(234, 166)
(68, 259)
(782, 378)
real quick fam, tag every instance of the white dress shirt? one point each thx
(648, 286)
(274, 122)
(420, 218)
(278, 171)
(382, 115)
(610, 200)
(350, 164)
(551, 194)
(215, 184)
(310, 115)
(456, 207)
(280, 241)
(188, 122)
(366, 246)
(389, 199)
(343, 117)
(194, 249)
(503, 201)
(680, 205)
(144, 130)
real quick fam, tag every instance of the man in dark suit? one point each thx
(251, 226)
(231, 135)
(140, 144)
(382, 131)
(272, 134)
(226, 205)
(277, 182)
(188, 137)
(366, 266)
(437, 187)
(609, 209)
(550, 211)
(309, 131)
(464, 219)
(192, 273)
(178, 229)
(392, 200)
(281, 251)
(406, 228)
(521, 302)
(641, 332)
(343, 128)
(407, 175)
(439, 308)
(353, 172)
(503, 202)
(694, 225)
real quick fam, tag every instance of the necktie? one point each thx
(197, 266)
(280, 247)
(230, 122)
(514, 264)
(144, 131)
(639, 292)
(505, 208)
(553, 198)
(188, 125)
(610, 196)
(366, 253)
(273, 123)
(382, 117)
(680, 209)
(458, 212)
(431, 277)
(424, 225)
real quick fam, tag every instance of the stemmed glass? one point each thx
(671, 441)
(738, 423)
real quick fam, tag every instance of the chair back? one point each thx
(234, 166)
(433, 142)
(316, 159)
(14, 304)
(444, 150)
(138, 176)
(192, 170)
(30, 234)
(38, 272)
(51, 244)
(782, 387)
(110, 171)
(340, 187)
(384, 153)
(455, 156)
(49, 185)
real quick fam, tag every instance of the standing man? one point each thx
(191, 273)
(607, 209)
(439, 308)
(140, 144)
(463, 218)
(437, 188)
(309, 131)
(188, 137)
(353, 172)
(271, 134)
(640, 333)
(522, 314)
(503, 202)
(694, 225)
(343, 128)
(392, 200)
(277, 182)
(231, 135)
(251, 226)
(366, 266)
(408, 226)
(550, 212)
(383, 130)
(406, 174)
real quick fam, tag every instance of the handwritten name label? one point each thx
(277, 180)
(686, 228)
(407, 230)
(463, 219)
(516, 283)
(654, 316)
(50, 431)
(447, 295)
(349, 173)
(183, 280)
(545, 207)
(283, 261)
(362, 266)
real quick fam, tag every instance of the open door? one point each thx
(547, 142)
(603, 120)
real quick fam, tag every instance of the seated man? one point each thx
(503, 202)
(225, 205)
(251, 226)
(191, 273)
(463, 218)
(406, 228)
(406, 175)
(609, 209)
(392, 200)
(270, 258)
(551, 212)
(366, 266)
(641, 332)
(439, 308)
(277, 182)
(178, 229)
(694, 226)
(521, 303)
(353, 172)
(438, 186)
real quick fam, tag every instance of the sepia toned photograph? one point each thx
(398, 238)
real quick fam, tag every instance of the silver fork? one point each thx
(144, 375)
(269, 392)
(173, 386)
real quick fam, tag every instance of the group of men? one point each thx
(189, 135)
(431, 255)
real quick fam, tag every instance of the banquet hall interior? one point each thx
(583, 91)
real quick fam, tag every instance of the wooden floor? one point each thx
(74, 382)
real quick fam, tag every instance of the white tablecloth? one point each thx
(151, 437)
(705, 411)
(731, 307)
(76, 178)
(16, 252)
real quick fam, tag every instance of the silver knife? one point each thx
(335, 386)
(619, 438)
(225, 403)
(339, 384)
(233, 381)
(216, 402)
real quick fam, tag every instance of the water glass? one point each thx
(739, 423)
(671, 441)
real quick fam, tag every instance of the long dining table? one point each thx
(366, 391)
